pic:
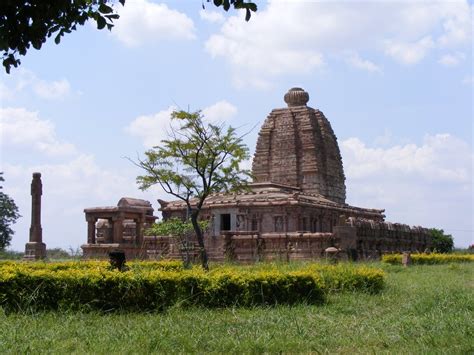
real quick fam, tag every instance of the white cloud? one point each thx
(442, 157)
(300, 37)
(457, 25)
(220, 111)
(20, 127)
(25, 79)
(452, 60)
(68, 188)
(363, 64)
(211, 16)
(409, 53)
(152, 129)
(144, 22)
(416, 184)
(468, 80)
(71, 182)
(52, 90)
(5, 93)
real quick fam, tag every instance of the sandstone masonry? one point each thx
(295, 208)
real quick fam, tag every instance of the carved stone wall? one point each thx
(359, 239)
(297, 147)
(374, 238)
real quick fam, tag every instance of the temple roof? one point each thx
(297, 147)
(270, 194)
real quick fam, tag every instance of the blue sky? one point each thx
(393, 77)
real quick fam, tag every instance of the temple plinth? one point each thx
(295, 208)
(35, 249)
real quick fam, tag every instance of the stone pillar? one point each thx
(139, 231)
(346, 235)
(117, 229)
(91, 230)
(35, 249)
(406, 259)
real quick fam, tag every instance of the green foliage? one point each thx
(182, 230)
(442, 243)
(423, 310)
(346, 277)
(57, 253)
(8, 215)
(238, 4)
(429, 259)
(197, 160)
(175, 227)
(10, 255)
(30, 23)
(160, 285)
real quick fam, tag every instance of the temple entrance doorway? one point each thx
(225, 222)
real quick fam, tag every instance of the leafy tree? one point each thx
(8, 215)
(442, 243)
(57, 253)
(182, 230)
(25, 23)
(197, 160)
(238, 4)
(11, 255)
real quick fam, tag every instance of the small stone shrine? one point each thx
(295, 208)
(118, 228)
(35, 249)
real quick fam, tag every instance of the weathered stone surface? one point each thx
(294, 210)
(118, 227)
(297, 147)
(35, 248)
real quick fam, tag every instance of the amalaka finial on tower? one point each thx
(296, 97)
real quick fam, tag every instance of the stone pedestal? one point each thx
(35, 251)
(101, 251)
(406, 259)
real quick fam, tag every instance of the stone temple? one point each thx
(295, 207)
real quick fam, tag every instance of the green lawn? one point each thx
(424, 309)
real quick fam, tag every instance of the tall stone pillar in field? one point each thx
(35, 249)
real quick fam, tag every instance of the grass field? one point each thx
(423, 309)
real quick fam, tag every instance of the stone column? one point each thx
(35, 248)
(91, 230)
(117, 233)
(139, 231)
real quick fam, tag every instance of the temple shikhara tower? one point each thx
(297, 147)
(295, 208)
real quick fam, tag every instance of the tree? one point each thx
(8, 215)
(442, 243)
(25, 23)
(181, 230)
(197, 160)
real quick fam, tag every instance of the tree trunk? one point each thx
(200, 238)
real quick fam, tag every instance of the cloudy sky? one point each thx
(394, 78)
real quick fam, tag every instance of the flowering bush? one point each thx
(430, 259)
(158, 285)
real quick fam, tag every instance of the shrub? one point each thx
(442, 243)
(57, 253)
(158, 285)
(343, 277)
(430, 259)
(10, 255)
